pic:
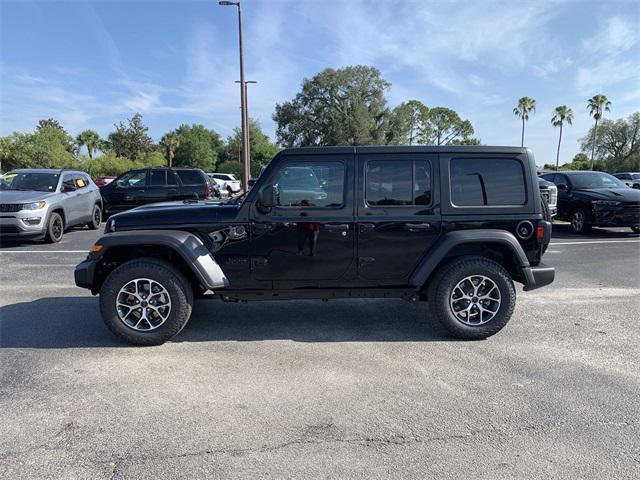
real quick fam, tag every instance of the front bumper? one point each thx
(538, 276)
(23, 224)
(84, 273)
(616, 216)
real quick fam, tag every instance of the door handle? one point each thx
(416, 227)
(367, 227)
(341, 227)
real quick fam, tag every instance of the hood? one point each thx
(618, 194)
(19, 196)
(175, 215)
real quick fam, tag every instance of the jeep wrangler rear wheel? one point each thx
(472, 297)
(146, 301)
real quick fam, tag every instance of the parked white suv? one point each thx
(227, 182)
(43, 203)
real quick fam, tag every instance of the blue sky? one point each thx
(92, 64)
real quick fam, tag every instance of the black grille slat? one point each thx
(10, 207)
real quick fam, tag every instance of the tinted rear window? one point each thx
(191, 177)
(487, 181)
(398, 182)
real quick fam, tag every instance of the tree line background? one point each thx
(335, 107)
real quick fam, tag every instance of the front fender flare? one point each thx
(187, 245)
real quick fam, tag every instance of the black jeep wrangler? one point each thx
(453, 226)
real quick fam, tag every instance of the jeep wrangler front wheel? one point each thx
(146, 301)
(472, 297)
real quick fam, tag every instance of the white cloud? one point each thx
(610, 71)
(617, 36)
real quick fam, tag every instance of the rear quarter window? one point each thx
(478, 182)
(191, 177)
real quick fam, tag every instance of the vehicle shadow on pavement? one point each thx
(74, 322)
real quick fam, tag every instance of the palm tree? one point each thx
(91, 139)
(170, 141)
(525, 106)
(560, 115)
(596, 106)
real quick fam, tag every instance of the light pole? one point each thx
(246, 119)
(243, 102)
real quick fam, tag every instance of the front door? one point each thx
(308, 238)
(128, 191)
(397, 223)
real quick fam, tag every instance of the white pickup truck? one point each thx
(227, 182)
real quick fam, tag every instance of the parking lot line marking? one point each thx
(44, 251)
(595, 241)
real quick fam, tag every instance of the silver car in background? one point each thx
(43, 203)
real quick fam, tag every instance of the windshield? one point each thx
(38, 182)
(595, 180)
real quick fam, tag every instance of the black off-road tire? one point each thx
(96, 218)
(55, 228)
(580, 227)
(446, 279)
(177, 286)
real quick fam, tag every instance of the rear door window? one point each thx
(190, 177)
(477, 182)
(398, 183)
(158, 178)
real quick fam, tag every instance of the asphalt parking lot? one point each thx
(345, 389)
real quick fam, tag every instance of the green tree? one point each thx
(91, 139)
(49, 123)
(170, 141)
(130, 140)
(525, 106)
(230, 166)
(5, 151)
(444, 126)
(336, 107)
(617, 144)
(597, 105)
(261, 148)
(407, 122)
(45, 148)
(199, 147)
(561, 115)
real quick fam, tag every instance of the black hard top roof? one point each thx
(406, 149)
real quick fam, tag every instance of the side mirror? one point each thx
(267, 197)
(66, 188)
(562, 186)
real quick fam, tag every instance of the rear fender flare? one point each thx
(432, 260)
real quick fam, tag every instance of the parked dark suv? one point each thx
(153, 185)
(454, 226)
(595, 199)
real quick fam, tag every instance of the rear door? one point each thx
(396, 212)
(72, 200)
(86, 202)
(162, 186)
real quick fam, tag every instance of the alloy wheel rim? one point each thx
(475, 300)
(96, 216)
(577, 221)
(56, 228)
(143, 304)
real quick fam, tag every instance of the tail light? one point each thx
(207, 191)
(540, 233)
